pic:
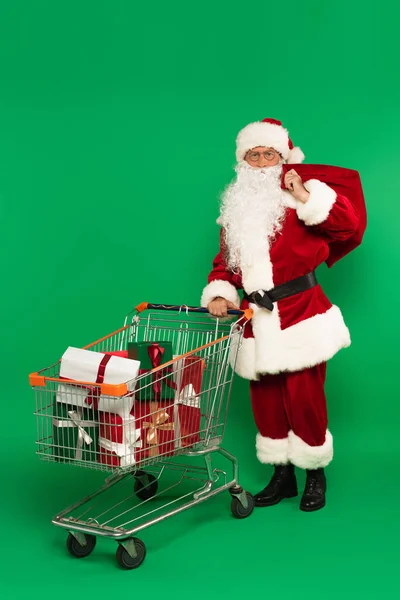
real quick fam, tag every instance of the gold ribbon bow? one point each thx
(158, 423)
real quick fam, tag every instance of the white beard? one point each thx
(252, 213)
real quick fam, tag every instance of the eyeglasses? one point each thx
(267, 154)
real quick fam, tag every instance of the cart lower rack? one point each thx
(145, 431)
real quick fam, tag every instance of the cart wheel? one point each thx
(238, 510)
(78, 551)
(145, 492)
(128, 562)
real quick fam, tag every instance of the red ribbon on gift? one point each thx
(94, 394)
(156, 352)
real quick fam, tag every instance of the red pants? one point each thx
(291, 416)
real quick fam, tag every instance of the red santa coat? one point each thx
(303, 330)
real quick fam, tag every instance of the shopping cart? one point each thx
(190, 424)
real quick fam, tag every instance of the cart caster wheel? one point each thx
(75, 548)
(148, 491)
(238, 510)
(126, 561)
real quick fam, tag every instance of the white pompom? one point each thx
(296, 156)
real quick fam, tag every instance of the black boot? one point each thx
(314, 492)
(282, 485)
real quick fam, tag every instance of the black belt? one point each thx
(265, 299)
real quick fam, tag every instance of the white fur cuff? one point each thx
(222, 288)
(310, 457)
(272, 452)
(319, 204)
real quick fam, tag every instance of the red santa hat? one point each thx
(271, 134)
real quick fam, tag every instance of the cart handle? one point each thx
(247, 313)
(36, 379)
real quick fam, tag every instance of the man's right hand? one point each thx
(219, 307)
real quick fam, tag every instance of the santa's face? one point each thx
(261, 157)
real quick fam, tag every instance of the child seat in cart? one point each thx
(147, 431)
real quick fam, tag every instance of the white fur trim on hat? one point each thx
(296, 156)
(272, 452)
(269, 135)
(310, 457)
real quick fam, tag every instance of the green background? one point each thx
(117, 129)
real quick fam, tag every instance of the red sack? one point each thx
(345, 182)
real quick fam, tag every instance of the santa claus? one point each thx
(271, 242)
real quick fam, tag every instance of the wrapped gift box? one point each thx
(121, 353)
(75, 433)
(161, 385)
(157, 430)
(169, 425)
(97, 367)
(188, 373)
(119, 439)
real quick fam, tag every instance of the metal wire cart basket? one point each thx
(175, 406)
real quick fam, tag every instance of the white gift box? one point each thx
(125, 450)
(83, 365)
